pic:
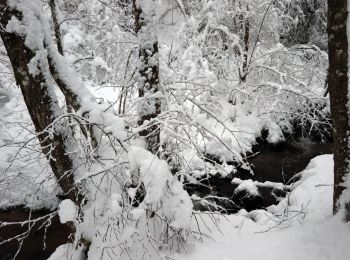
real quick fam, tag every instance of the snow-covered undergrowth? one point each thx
(159, 221)
(133, 206)
(300, 227)
(218, 99)
(208, 110)
(111, 223)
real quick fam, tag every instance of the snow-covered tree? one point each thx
(146, 28)
(304, 22)
(25, 51)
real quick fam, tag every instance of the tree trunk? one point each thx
(338, 90)
(42, 106)
(72, 100)
(246, 25)
(150, 107)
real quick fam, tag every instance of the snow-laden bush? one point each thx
(228, 77)
(115, 225)
(225, 77)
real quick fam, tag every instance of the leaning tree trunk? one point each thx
(150, 105)
(338, 90)
(42, 105)
(71, 98)
(58, 35)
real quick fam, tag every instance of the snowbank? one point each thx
(300, 227)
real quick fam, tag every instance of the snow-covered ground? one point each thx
(300, 227)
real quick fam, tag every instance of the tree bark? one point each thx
(42, 106)
(246, 25)
(150, 107)
(338, 90)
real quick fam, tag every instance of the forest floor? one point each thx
(300, 227)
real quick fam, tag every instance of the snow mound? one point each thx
(67, 211)
(162, 188)
(247, 186)
(313, 194)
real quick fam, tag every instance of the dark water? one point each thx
(274, 163)
(280, 163)
(33, 246)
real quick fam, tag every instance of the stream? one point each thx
(277, 164)
(35, 246)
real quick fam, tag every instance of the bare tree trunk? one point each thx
(338, 90)
(42, 106)
(150, 107)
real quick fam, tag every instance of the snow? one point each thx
(177, 206)
(203, 115)
(68, 251)
(153, 172)
(67, 211)
(73, 38)
(25, 178)
(247, 186)
(252, 184)
(36, 29)
(161, 187)
(299, 227)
